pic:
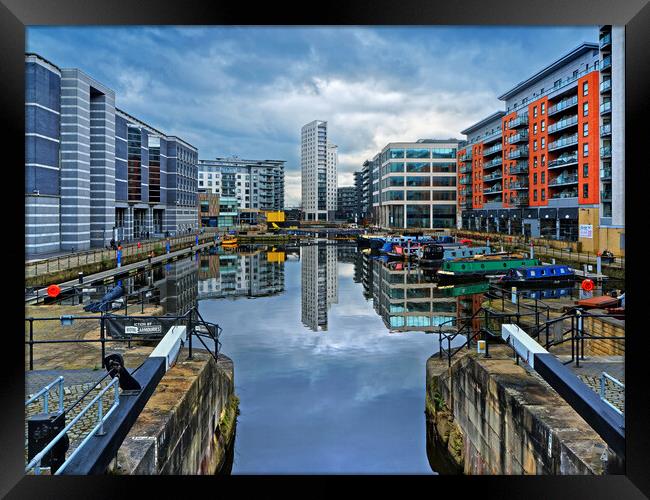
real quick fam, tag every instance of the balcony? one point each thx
(520, 121)
(564, 160)
(466, 157)
(518, 185)
(495, 162)
(606, 130)
(571, 193)
(606, 63)
(465, 169)
(564, 180)
(494, 149)
(606, 41)
(563, 143)
(606, 195)
(562, 124)
(520, 137)
(520, 168)
(466, 204)
(606, 107)
(493, 190)
(606, 86)
(466, 192)
(562, 105)
(519, 201)
(493, 177)
(518, 153)
(606, 152)
(465, 180)
(606, 174)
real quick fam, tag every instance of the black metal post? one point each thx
(31, 343)
(142, 301)
(189, 334)
(102, 337)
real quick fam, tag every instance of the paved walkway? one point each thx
(589, 372)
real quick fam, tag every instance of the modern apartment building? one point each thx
(346, 203)
(413, 184)
(88, 172)
(362, 187)
(318, 163)
(536, 167)
(254, 184)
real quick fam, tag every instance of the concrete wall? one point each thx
(187, 426)
(505, 420)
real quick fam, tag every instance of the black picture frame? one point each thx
(635, 14)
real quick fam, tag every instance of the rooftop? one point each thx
(483, 122)
(565, 59)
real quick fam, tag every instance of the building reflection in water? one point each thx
(255, 273)
(407, 298)
(319, 280)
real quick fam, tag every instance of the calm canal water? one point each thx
(325, 387)
(330, 351)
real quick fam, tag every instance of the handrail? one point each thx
(45, 392)
(101, 418)
(606, 376)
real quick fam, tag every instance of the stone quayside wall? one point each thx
(188, 424)
(494, 417)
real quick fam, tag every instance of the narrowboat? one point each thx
(478, 268)
(545, 275)
(434, 255)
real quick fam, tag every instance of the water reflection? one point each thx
(319, 280)
(255, 273)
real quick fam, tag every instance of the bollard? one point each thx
(598, 265)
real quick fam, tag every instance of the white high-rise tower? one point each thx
(318, 162)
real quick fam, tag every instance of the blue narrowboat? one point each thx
(539, 276)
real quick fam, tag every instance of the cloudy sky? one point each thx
(247, 91)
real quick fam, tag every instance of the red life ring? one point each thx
(53, 290)
(587, 285)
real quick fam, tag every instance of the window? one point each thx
(535, 178)
(543, 106)
(535, 195)
(535, 162)
(585, 190)
(543, 194)
(585, 170)
(535, 127)
(575, 73)
(585, 109)
(557, 83)
(535, 112)
(535, 145)
(543, 177)
(543, 160)
(543, 125)
(543, 142)
(585, 150)
(585, 88)
(585, 129)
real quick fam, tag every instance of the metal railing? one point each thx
(192, 319)
(35, 463)
(604, 377)
(487, 322)
(78, 259)
(45, 394)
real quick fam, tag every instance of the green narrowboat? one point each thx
(476, 269)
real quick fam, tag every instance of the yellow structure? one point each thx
(594, 238)
(275, 256)
(275, 216)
